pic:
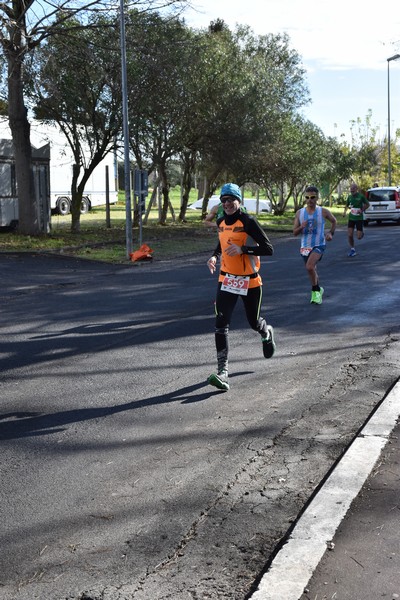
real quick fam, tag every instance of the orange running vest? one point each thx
(240, 264)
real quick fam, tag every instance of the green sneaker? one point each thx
(269, 343)
(219, 380)
(316, 297)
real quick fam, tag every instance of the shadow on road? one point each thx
(25, 424)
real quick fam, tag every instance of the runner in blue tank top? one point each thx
(310, 223)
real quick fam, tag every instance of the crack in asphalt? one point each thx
(275, 495)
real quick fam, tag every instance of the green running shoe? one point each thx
(219, 380)
(316, 297)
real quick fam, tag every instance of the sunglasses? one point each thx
(310, 197)
(228, 199)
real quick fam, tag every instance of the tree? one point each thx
(220, 107)
(337, 164)
(364, 148)
(212, 98)
(163, 58)
(289, 161)
(381, 172)
(24, 26)
(249, 83)
(75, 82)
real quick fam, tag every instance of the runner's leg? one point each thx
(224, 305)
(311, 266)
(350, 233)
(252, 304)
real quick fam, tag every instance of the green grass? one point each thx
(98, 242)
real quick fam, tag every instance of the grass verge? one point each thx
(108, 244)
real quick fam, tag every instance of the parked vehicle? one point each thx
(8, 186)
(59, 177)
(250, 204)
(384, 205)
(61, 165)
(94, 194)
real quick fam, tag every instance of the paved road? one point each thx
(123, 473)
(345, 545)
(364, 563)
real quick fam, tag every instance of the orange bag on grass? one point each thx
(144, 253)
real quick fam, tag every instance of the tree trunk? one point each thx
(189, 163)
(29, 223)
(165, 194)
(76, 200)
(150, 204)
(209, 189)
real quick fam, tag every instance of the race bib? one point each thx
(355, 211)
(305, 251)
(235, 284)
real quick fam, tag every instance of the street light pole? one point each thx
(127, 170)
(395, 57)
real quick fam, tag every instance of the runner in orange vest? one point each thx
(241, 243)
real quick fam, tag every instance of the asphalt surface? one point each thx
(345, 545)
(124, 476)
(364, 562)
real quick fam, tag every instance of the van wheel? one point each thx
(63, 205)
(85, 205)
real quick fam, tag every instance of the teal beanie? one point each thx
(231, 189)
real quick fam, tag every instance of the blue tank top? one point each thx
(313, 234)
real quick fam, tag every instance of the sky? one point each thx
(344, 46)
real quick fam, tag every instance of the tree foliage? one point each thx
(224, 104)
(290, 161)
(213, 98)
(337, 164)
(24, 25)
(75, 82)
(159, 63)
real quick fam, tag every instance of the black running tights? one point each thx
(224, 306)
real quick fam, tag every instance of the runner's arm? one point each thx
(217, 251)
(264, 247)
(211, 216)
(297, 226)
(332, 219)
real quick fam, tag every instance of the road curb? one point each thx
(293, 566)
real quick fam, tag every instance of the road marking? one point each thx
(293, 566)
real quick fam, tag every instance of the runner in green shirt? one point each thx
(357, 204)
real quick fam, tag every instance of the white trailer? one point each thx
(103, 178)
(9, 215)
(61, 165)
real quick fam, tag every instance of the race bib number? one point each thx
(355, 211)
(305, 251)
(235, 284)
